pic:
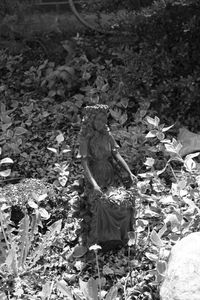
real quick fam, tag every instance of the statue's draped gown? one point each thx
(111, 220)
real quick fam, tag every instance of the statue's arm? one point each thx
(89, 176)
(119, 158)
(122, 162)
(87, 171)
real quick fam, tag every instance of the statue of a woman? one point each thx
(111, 205)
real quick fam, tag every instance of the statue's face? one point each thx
(100, 121)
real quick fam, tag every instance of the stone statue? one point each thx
(111, 204)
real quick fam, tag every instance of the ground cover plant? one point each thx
(151, 85)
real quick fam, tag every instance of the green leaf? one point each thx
(112, 294)
(4, 127)
(6, 160)
(151, 256)
(155, 122)
(11, 259)
(42, 197)
(190, 164)
(156, 239)
(32, 204)
(167, 128)
(46, 291)
(173, 220)
(62, 180)
(3, 296)
(20, 130)
(161, 267)
(79, 251)
(151, 134)
(52, 149)
(89, 289)
(44, 214)
(64, 289)
(149, 161)
(123, 118)
(60, 138)
(5, 173)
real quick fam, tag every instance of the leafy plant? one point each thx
(61, 168)
(19, 255)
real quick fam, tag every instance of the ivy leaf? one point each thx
(149, 161)
(155, 122)
(60, 138)
(89, 289)
(32, 204)
(20, 131)
(66, 150)
(123, 118)
(190, 164)
(112, 294)
(6, 160)
(44, 214)
(53, 150)
(167, 128)
(5, 173)
(161, 266)
(151, 134)
(42, 197)
(4, 127)
(63, 180)
(172, 219)
(151, 256)
(156, 239)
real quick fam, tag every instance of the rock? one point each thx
(182, 277)
(190, 141)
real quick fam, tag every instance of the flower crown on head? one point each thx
(94, 109)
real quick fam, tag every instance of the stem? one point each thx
(129, 262)
(173, 172)
(51, 288)
(98, 271)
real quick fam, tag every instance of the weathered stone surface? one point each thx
(190, 142)
(182, 278)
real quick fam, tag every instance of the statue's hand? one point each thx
(97, 190)
(133, 178)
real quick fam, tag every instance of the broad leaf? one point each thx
(20, 130)
(5, 173)
(89, 289)
(151, 134)
(151, 256)
(167, 128)
(6, 160)
(161, 267)
(60, 138)
(156, 239)
(52, 149)
(112, 294)
(64, 289)
(44, 214)
(32, 204)
(155, 122)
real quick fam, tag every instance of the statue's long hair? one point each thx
(87, 128)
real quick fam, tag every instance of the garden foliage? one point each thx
(148, 79)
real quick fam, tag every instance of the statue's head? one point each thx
(96, 117)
